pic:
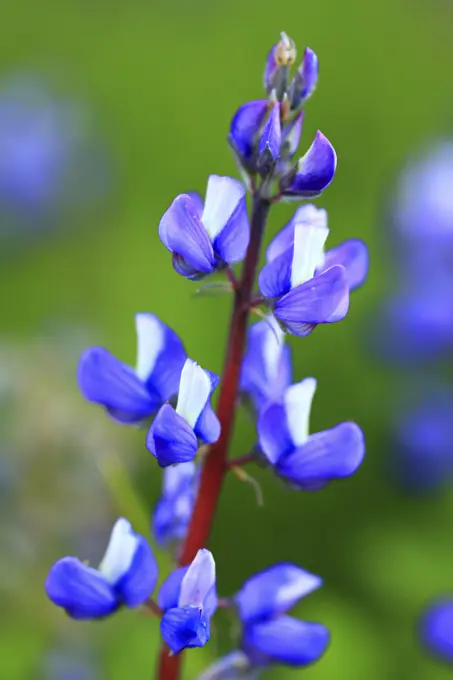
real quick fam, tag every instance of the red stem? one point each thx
(216, 464)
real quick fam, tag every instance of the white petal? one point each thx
(120, 552)
(222, 196)
(198, 580)
(194, 391)
(310, 214)
(308, 254)
(177, 475)
(296, 584)
(272, 348)
(298, 400)
(150, 343)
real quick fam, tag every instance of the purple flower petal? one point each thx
(274, 591)
(273, 433)
(170, 439)
(81, 590)
(245, 126)
(275, 278)
(182, 232)
(198, 202)
(207, 427)
(323, 299)
(173, 511)
(184, 627)
(314, 171)
(305, 80)
(353, 256)
(270, 70)
(166, 372)
(198, 583)
(286, 640)
(437, 629)
(306, 214)
(138, 583)
(266, 367)
(271, 137)
(225, 218)
(332, 454)
(169, 591)
(105, 380)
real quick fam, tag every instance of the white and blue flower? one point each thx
(304, 285)
(174, 434)
(269, 635)
(266, 367)
(307, 461)
(126, 576)
(205, 237)
(188, 599)
(131, 395)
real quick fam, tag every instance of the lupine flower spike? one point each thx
(126, 576)
(301, 286)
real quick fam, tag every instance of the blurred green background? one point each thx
(163, 80)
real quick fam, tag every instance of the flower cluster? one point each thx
(301, 286)
(418, 322)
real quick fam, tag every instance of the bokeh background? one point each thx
(151, 88)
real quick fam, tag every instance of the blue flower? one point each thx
(304, 285)
(307, 461)
(423, 458)
(132, 395)
(269, 635)
(437, 629)
(266, 368)
(126, 576)
(173, 511)
(173, 436)
(312, 173)
(244, 132)
(280, 58)
(203, 239)
(189, 599)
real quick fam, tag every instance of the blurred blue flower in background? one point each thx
(423, 457)
(50, 159)
(437, 629)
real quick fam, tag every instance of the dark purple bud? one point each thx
(270, 141)
(313, 172)
(305, 80)
(244, 131)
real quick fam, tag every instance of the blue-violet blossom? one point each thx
(173, 511)
(188, 598)
(174, 433)
(126, 576)
(204, 238)
(304, 285)
(437, 629)
(269, 635)
(307, 461)
(266, 367)
(132, 395)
